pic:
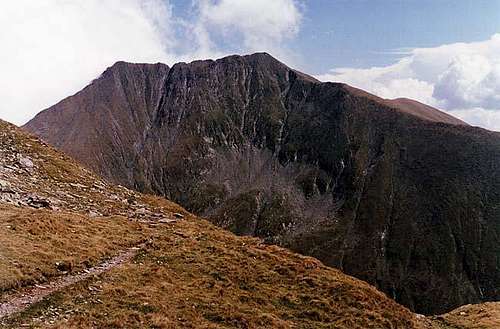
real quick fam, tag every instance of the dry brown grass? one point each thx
(479, 316)
(194, 275)
(32, 241)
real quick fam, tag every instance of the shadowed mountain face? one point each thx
(393, 192)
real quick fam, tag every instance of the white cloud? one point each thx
(489, 119)
(461, 78)
(260, 24)
(470, 80)
(224, 27)
(53, 48)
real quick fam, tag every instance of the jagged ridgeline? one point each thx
(391, 191)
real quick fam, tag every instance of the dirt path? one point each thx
(33, 295)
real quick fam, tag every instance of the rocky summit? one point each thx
(393, 192)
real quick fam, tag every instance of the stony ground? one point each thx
(35, 175)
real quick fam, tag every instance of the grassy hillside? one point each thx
(189, 274)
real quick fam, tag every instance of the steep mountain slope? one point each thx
(58, 220)
(393, 192)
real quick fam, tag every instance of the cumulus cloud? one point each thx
(260, 24)
(461, 78)
(53, 48)
(223, 27)
(489, 119)
(470, 80)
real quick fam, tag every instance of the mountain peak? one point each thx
(263, 57)
(122, 66)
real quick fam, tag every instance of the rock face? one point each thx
(393, 192)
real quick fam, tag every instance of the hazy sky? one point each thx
(442, 52)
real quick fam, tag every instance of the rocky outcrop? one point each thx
(393, 192)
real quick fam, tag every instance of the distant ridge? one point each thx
(412, 107)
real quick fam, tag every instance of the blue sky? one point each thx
(441, 52)
(362, 33)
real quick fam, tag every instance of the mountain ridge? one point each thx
(394, 198)
(397, 103)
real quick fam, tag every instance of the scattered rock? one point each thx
(178, 215)
(5, 187)
(37, 202)
(26, 162)
(142, 211)
(77, 185)
(63, 266)
(93, 214)
(4, 184)
(166, 221)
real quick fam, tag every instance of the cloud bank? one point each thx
(461, 78)
(53, 48)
